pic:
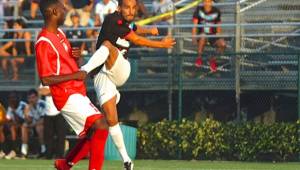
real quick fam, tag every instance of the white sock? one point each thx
(43, 148)
(117, 136)
(24, 149)
(97, 59)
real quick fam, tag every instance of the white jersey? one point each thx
(104, 9)
(39, 110)
(19, 111)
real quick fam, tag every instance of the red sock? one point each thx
(97, 146)
(80, 150)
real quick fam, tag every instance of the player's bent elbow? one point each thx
(45, 81)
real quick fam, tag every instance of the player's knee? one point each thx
(100, 124)
(112, 122)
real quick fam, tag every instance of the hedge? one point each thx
(213, 140)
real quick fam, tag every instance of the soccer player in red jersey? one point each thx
(58, 69)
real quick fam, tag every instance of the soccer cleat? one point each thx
(61, 164)
(198, 62)
(11, 155)
(128, 166)
(213, 65)
(2, 154)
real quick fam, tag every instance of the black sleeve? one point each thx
(196, 13)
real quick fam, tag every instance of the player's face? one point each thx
(128, 9)
(75, 20)
(32, 99)
(61, 13)
(207, 4)
(13, 102)
(17, 26)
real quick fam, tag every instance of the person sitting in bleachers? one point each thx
(33, 116)
(21, 48)
(6, 49)
(83, 8)
(160, 7)
(34, 7)
(14, 116)
(103, 8)
(76, 34)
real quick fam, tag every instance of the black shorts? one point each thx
(212, 40)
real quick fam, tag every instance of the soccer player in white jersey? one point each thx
(110, 67)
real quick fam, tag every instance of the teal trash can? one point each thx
(130, 135)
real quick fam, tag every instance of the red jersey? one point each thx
(54, 57)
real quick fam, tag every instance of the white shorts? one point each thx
(79, 112)
(107, 81)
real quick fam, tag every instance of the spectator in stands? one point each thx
(103, 8)
(21, 48)
(15, 117)
(208, 15)
(142, 11)
(76, 33)
(54, 126)
(6, 50)
(34, 7)
(8, 7)
(33, 120)
(83, 8)
(160, 7)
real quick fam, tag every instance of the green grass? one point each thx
(154, 165)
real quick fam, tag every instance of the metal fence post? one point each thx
(298, 102)
(237, 61)
(16, 10)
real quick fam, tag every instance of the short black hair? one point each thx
(13, 95)
(44, 5)
(10, 23)
(31, 92)
(21, 22)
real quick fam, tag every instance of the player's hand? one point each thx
(154, 31)
(168, 42)
(76, 52)
(80, 75)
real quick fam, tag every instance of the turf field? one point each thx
(153, 165)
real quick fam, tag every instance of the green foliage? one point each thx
(213, 140)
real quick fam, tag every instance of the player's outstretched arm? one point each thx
(55, 79)
(144, 30)
(167, 42)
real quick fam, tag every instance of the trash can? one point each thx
(130, 134)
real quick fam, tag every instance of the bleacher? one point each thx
(269, 53)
